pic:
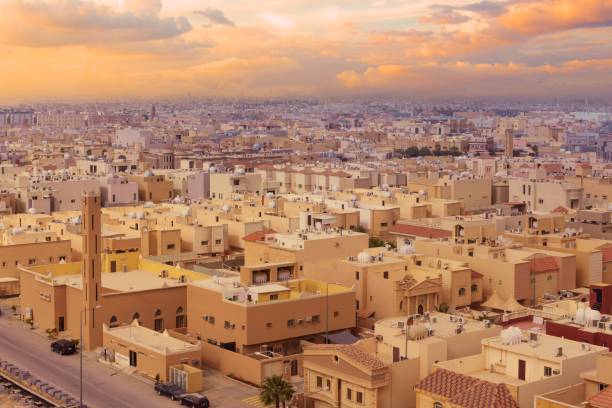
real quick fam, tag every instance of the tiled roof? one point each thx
(352, 353)
(419, 231)
(606, 254)
(561, 210)
(602, 399)
(258, 235)
(545, 264)
(476, 275)
(467, 392)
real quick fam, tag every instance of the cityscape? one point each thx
(306, 204)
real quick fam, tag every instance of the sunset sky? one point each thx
(104, 50)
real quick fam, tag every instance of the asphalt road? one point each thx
(103, 386)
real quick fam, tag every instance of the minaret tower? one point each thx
(92, 271)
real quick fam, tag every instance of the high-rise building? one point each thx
(509, 143)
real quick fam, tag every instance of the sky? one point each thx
(83, 50)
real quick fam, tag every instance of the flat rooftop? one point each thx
(131, 281)
(160, 342)
(545, 348)
(441, 324)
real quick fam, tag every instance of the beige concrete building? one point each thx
(528, 364)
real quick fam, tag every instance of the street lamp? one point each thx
(81, 356)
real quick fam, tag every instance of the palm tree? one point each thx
(276, 390)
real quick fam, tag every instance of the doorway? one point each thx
(522, 365)
(60, 324)
(113, 266)
(133, 358)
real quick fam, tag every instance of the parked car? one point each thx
(63, 347)
(168, 389)
(195, 401)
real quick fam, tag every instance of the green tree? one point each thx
(276, 390)
(376, 242)
(425, 151)
(412, 151)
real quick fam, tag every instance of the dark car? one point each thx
(195, 401)
(171, 390)
(63, 347)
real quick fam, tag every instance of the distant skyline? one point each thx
(74, 50)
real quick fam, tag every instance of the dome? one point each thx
(149, 173)
(32, 210)
(406, 249)
(363, 257)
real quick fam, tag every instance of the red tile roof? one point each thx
(258, 235)
(561, 209)
(606, 254)
(353, 353)
(465, 391)
(545, 264)
(476, 275)
(419, 231)
(602, 399)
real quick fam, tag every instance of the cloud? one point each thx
(215, 16)
(445, 15)
(529, 18)
(277, 21)
(76, 22)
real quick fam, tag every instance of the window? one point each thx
(31, 261)
(602, 386)
(357, 275)
(290, 322)
(383, 224)
(386, 275)
(328, 384)
(349, 394)
(274, 297)
(136, 316)
(549, 277)
(540, 201)
(461, 291)
(336, 313)
(217, 242)
(211, 319)
(204, 243)
(319, 381)
(547, 371)
(181, 318)
(159, 324)
(170, 246)
(113, 322)
(269, 324)
(474, 288)
(359, 397)
(437, 405)
(316, 319)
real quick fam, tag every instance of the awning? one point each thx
(494, 302)
(343, 337)
(511, 305)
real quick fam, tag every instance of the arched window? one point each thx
(159, 321)
(181, 318)
(437, 405)
(461, 291)
(136, 316)
(474, 287)
(113, 322)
